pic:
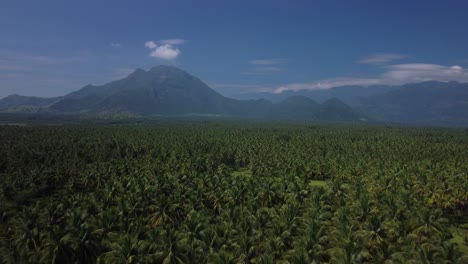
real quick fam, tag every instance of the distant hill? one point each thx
(296, 107)
(432, 102)
(347, 94)
(335, 110)
(167, 90)
(18, 103)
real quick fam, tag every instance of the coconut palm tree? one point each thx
(125, 249)
(167, 245)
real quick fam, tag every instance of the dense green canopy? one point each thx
(215, 192)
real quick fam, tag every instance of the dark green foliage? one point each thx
(216, 192)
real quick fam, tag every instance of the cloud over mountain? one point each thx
(396, 74)
(165, 49)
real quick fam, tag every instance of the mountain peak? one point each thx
(299, 99)
(139, 70)
(167, 72)
(166, 68)
(335, 109)
(13, 96)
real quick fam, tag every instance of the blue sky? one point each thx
(52, 47)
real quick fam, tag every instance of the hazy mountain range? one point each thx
(166, 90)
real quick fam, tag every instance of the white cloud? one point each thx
(269, 69)
(326, 84)
(116, 45)
(265, 62)
(382, 58)
(394, 75)
(419, 72)
(262, 70)
(172, 41)
(231, 89)
(165, 52)
(240, 88)
(165, 49)
(150, 44)
(264, 66)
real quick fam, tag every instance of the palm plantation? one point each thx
(216, 192)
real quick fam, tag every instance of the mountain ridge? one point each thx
(442, 103)
(20, 103)
(167, 90)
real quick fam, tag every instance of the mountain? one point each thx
(335, 110)
(302, 107)
(18, 103)
(296, 107)
(431, 102)
(161, 90)
(166, 90)
(348, 94)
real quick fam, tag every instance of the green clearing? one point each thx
(318, 183)
(242, 172)
(459, 235)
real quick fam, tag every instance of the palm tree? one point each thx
(344, 239)
(167, 246)
(193, 236)
(345, 251)
(426, 253)
(125, 249)
(223, 257)
(58, 249)
(161, 215)
(448, 253)
(86, 245)
(26, 234)
(429, 222)
(374, 232)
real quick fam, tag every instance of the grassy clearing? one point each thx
(244, 172)
(318, 183)
(458, 237)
